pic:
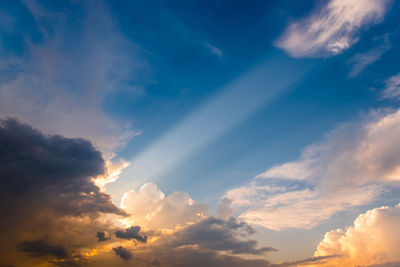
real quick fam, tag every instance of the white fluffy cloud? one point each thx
(149, 207)
(349, 168)
(331, 28)
(373, 239)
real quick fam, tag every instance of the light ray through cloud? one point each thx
(232, 104)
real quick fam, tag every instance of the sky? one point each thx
(200, 133)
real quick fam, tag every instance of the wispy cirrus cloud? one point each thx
(214, 50)
(331, 28)
(392, 88)
(360, 61)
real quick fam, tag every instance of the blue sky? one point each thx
(276, 107)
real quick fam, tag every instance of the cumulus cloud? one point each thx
(372, 240)
(350, 167)
(392, 89)
(149, 207)
(331, 28)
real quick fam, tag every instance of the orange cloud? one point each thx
(373, 239)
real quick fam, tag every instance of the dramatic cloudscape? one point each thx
(200, 133)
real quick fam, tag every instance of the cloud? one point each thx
(295, 208)
(350, 167)
(209, 242)
(290, 170)
(60, 81)
(392, 89)
(186, 256)
(362, 60)
(372, 240)
(102, 236)
(386, 264)
(54, 214)
(149, 207)
(124, 253)
(131, 233)
(113, 169)
(313, 260)
(218, 235)
(224, 209)
(50, 169)
(331, 28)
(47, 193)
(214, 50)
(40, 248)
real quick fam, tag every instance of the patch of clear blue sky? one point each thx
(174, 33)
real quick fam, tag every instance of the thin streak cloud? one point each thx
(331, 28)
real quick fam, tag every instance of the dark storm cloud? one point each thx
(124, 253)
(47, 193)
(131, 233)
(40, 248)
(219, 235)
(49, 172)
